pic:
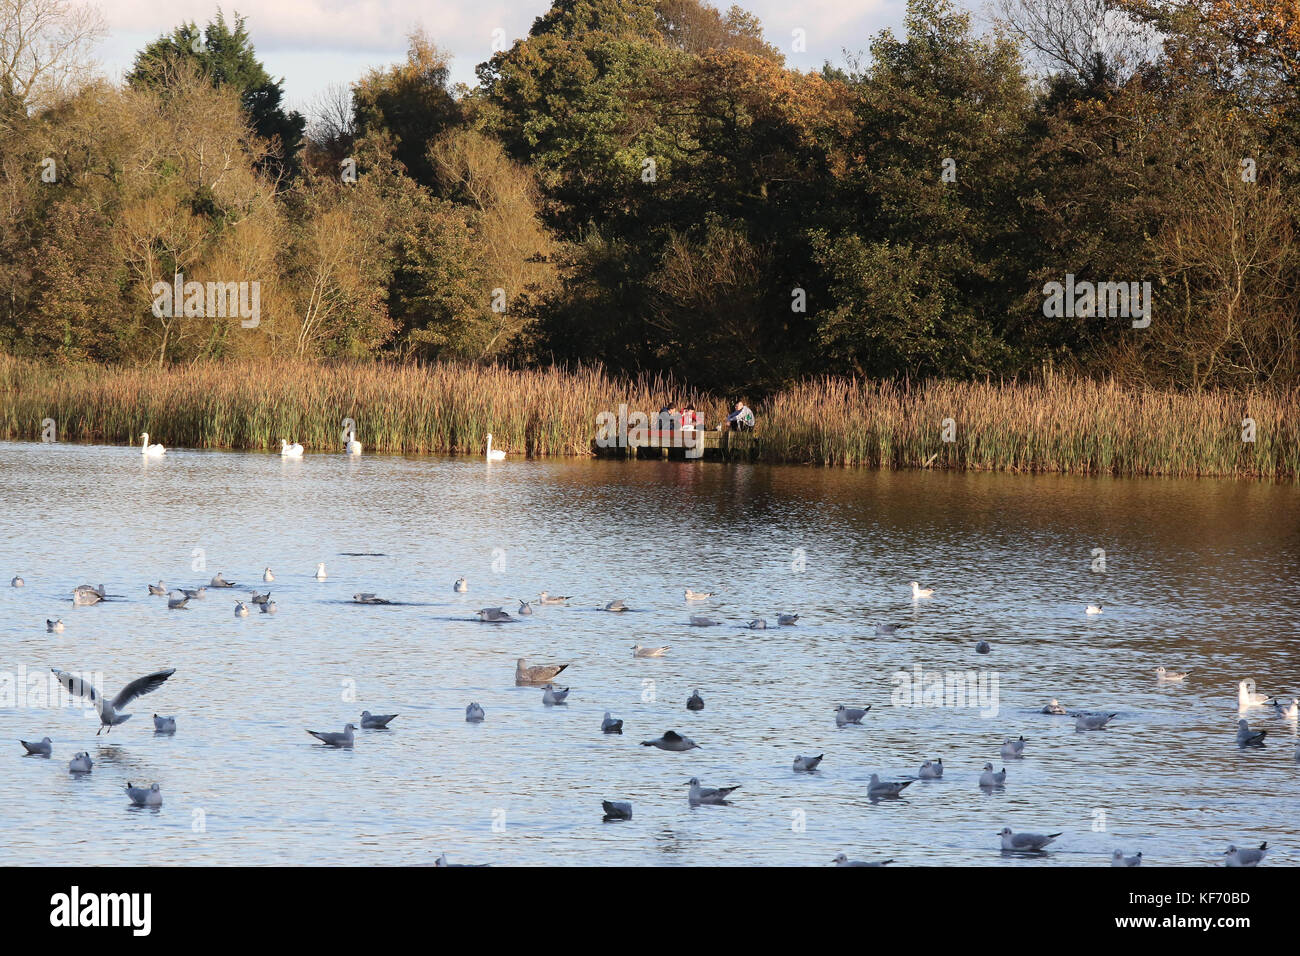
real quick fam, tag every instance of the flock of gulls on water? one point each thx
(543, 676)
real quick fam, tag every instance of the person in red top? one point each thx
(689, 417)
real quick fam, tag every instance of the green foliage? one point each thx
(224, 53)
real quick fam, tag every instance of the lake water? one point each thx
(1200, 575)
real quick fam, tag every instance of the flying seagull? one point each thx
(110, 710)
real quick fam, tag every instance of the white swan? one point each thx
(353, 447)
(920, 592)
(148, 450)
(497, 455)
(290, 451)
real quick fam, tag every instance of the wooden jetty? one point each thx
(657, 445)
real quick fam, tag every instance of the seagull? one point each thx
(194, 593)
(698, 595)
(983, 647)
(268, 607)
(1164, 675)
(335, 740)
(1119, 859)
(17, 582)
(1052, 707)
(671, 740)
(110, 711)
(524, 608)
(695, 701)
(878, 788)
(615, 811)
(1092, 609)
(888, 630)
(616, 606)
(55, 626)
(259, 598)
(320, 571)
(493, 615)
(442, 861)
(1025, 842)
(842, 860)
(1287, 710)
(758, 624)
(267, 576)
(1247, 737)
(1013, 748)
(371, 721)
(551, 696)
(1247, 697)
(144, 798)
(177, 603)
(81, 763)
(787, 620)
(931, 770)
(804, 764)
(989, 779)
(461, 586)
(1091, 721)
(708, 796)
(699, 620)
(537, 674)
(290, 451)
(849, 715)
(369, 597)
(1246, 856)
(157, 589)
(164, 725)
(639, 651)
(611, 726)
(241, 609)
(474, 714)
(39, 749)
(84, 595)
(220, 582)
(546, 598)
(920, 592)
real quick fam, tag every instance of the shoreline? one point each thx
(1059, 426)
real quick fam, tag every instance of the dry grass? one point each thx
(1063, 425)
(1074, 426)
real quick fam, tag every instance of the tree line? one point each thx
(646, 184)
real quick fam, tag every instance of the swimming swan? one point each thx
(497, 455)
(148, 450)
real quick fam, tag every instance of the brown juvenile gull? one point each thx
(537, 674)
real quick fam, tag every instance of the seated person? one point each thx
(690, 418)
(742, 419)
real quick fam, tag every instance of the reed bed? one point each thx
(406, 408)
(1064, 425)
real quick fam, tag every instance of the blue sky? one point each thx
(314, 43)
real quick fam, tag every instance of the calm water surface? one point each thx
(1200, 575)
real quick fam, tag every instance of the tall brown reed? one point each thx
(1061, 425)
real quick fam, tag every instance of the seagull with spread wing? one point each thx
(110, 714)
